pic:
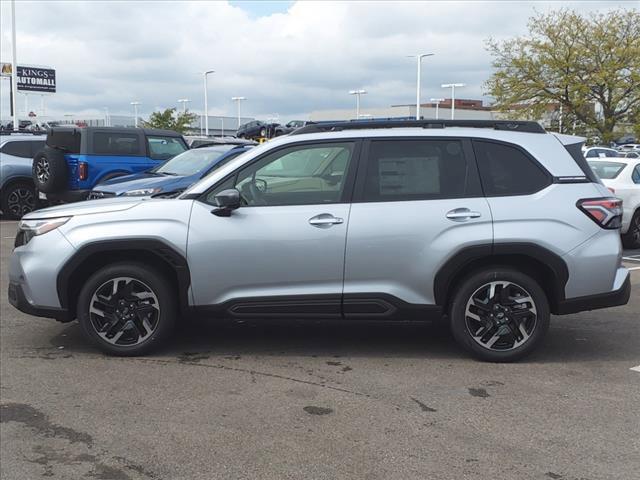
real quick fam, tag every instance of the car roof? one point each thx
(147, 131)
(624, 160)
(21, 137)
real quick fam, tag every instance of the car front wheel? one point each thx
(127, 309)
(631, 239)
(17, 200)
(499, 314)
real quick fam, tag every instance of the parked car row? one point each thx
(257, 129)
(349, 220)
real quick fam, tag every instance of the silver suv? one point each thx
(492, 225)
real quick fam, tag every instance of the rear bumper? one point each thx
(68, 196)
(18, 299)
(614, 298)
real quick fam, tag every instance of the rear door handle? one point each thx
(325, 220)
(462, 214)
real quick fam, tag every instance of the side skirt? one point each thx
(374, 306)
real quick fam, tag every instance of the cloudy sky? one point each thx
(288, 58)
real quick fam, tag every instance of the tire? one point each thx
(631, 239)
(137, 330)
(497, 321)
(263, 132)
(49, 170)
(18, 199)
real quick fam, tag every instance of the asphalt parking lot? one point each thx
(320, 401)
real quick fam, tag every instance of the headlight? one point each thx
(141, 192)
(27, 229)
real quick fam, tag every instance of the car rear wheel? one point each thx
(127, 309)
(631, 239)
(499, 314)
(17, 199)
(263, 132)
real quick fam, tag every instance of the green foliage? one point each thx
(573, 60)
(169, 119)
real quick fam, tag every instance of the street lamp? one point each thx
(453, 95)
(437, 102)
(206, 103)
(107, 123)
(184, 102)
(419, 58)
(135, 113)
(14, 68)
(357, 93)
(238, 100)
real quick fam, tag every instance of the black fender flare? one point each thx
(171, 259)
(491, 253)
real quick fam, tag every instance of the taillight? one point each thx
(606, 212)
(83, 170)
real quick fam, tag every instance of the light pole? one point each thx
(14, 68)
(437, 102)
(206, 103)
(357, 93)
(107, 123)
(238, 100)
(184, 102)
(135, 113)
(419, 58)
(453, 95)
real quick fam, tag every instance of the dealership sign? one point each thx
(33, 79)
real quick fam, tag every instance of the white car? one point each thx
(622, 177)
(599, 152)
(629, 147)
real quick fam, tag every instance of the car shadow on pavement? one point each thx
(565, 342)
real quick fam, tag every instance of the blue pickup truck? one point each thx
(76, 159)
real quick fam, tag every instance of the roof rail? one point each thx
(509, 125)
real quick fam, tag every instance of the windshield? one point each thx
(192, 161)
(607, 170)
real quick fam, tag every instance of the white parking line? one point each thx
(635, 369)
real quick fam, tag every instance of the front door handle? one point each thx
(462, 214)
(324, 220)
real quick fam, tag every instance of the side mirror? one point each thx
(227, 201)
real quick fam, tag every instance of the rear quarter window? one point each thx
(506, 170)
(107, 143)
(17, 149)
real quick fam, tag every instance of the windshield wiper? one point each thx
(169, 173)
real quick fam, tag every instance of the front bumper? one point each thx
(614, 298)
(19, 301)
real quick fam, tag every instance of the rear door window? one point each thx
(108, 143)
(17, 149)
(506, 170)
(164, 148)
(607, 170)
(400, 170)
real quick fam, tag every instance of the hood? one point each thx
(128, 178)
(167, 183)
(86, 208)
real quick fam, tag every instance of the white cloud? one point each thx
(110, 53)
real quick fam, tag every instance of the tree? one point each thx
(578, 62)
(170, 120)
